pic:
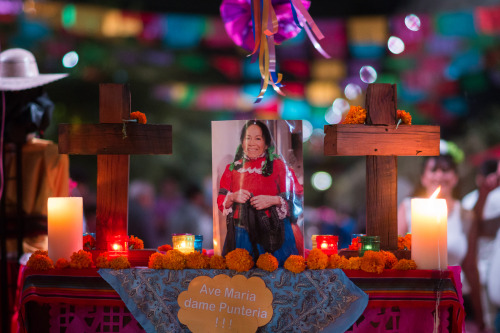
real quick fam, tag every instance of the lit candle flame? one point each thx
(324, 245)
(436, 192)
(116, 247)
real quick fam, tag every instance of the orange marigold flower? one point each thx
(405, 264)
(404, 116)
(62, 263)
(141, 117)
(157, 261)
(38, 261)
(196, 260)
(239, 260)
(102, 260)
(317, 259)
(337, 261)
(355, 244)
(404, 242)
(355, 263)
(42, 252)
(164, 248)
(175, 259)
(81, 259)
(120, 262)
(390, 259)
(373, 262)
(267, 262)
(217, 262)
(295, 264)
(356, 115)
(88, 242)
(135, 243)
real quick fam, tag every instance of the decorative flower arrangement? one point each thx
(102, 261)
(405, 264)
(81, 259)
(175, 259)
(120, 262)
(88, 242)
(355, 262)
(317, 259)
(355, 244)
(62, 263)
(239, 260)
(217, 262)
(295, 264)
(337, 261)
(267, 262)
(40, 261)
(157, 261)
(165, 248)
(404, 242)
(135, 243)
(356, 115)
(373, 262)
(196, 260)
(139, 116)
(390, 259)
(404, 117)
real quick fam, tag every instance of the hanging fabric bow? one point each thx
(258, 25)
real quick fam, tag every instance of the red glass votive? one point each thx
(327, 243)
(118, 246)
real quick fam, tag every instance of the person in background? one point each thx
(141, 205)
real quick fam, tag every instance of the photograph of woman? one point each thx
(259, 198)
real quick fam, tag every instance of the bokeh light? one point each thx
(368, 74)
(333, 116)
(352, 91)
(340, 105)
(412, 22)
(307, 130)
(395, 45)
(70, 59)
(321, 181)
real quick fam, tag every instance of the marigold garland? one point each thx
(62, 263)
(165, 248)
(373, 262)
(295, 264)
(267, 262)
(355, 262)
(317, 259)
(81, 259)
(196, 260)
(405, 264)
(337, 261)
(404, 242)
(141, 117)
(120, 262)
(390, 259)
(217, 262)
(404, 116)
(88, 242)
(157, 261)
(175, 259)
(102, 261)
(239, 260)
(40, 261)
(135, 243)
(356, 115)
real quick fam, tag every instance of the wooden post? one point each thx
(112, 147)
(381, 141)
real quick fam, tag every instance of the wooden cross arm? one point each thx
(92, 139)
(381, 140)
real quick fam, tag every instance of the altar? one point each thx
(134, 300)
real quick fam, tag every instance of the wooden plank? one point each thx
(381, 104)
(381, 200)
(359, 140)
(114, 102)
(112, 198)
(92, 139)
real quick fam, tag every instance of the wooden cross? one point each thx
(112, 147)
(382, 142)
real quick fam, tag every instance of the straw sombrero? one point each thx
(19, 71)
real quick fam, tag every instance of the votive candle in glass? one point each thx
(183, 242)
(327, 243)
(118, 246)
(369, 243)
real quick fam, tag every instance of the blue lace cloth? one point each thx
(312, 301)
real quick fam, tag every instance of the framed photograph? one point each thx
(257, 177)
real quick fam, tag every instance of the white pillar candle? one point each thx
(429, 220)
(65, 226)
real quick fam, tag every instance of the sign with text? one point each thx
(225, 304)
